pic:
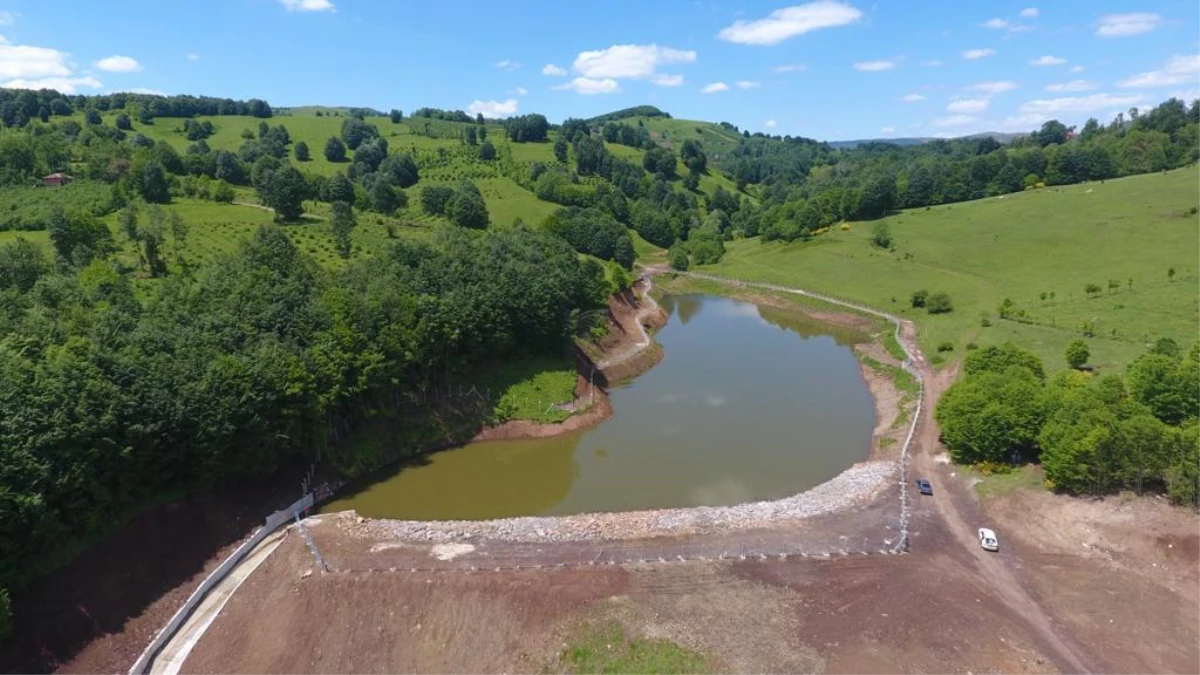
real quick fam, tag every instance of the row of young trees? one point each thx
(108, 401)
(20, 106)
(1092, 435)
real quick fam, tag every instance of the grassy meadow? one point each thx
(1052, 241)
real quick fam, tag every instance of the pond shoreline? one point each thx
(628, 358)
(858, 484)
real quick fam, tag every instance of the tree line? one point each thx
(806, 185)
(1092, 435)
(19, 106)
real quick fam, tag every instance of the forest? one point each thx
(109, 400)
(1092, 435)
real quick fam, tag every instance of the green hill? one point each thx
(1039, 249)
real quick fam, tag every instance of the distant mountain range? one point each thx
(917, 140)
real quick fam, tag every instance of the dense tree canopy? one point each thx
(109, 401)
(1092, 435)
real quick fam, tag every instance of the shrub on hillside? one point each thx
(881, 236)
(678, 256)
(939, 303)
(335, 150)
(434, 199)
(919, 298)
(1077, 354)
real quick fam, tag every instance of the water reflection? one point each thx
(739, 409)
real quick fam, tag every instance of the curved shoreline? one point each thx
(856, 485)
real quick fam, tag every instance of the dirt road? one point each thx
(1000, 570)
(649, 306)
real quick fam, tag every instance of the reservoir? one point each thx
(749, 403)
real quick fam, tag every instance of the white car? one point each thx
(987, 539)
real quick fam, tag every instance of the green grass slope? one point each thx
(1055, 240)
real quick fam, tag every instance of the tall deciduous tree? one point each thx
(335, 150)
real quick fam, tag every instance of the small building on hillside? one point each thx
(56, 180)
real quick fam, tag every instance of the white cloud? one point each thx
(972, 54)
(931, 63)
(771, 124)
(1029, 12)
(118, 64)
(506, 64)
(954, 121)
(519, 91)
(888, 130)
(1073, 85)
(493, 109)
(1122, 25)
(789, 22)
(714, 88)
(1079, 104)
(790, 68)
(192, 56)
(996, 23)
(1023, 122)
(24, 61)
(1077, 69)
(587, 85)
(8, 18)
(145, 90)
(308, 5)
(747, 84)
(913, 98)
(1181, 69)
(874, 66)
(553, 70)
(993, 88)
(1048, 61)
(633, 62)
(65, 85)
(968, 105)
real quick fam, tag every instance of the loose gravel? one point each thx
(853, 486)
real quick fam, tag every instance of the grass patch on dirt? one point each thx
(992, 484)
(526, 389)
(607, 649)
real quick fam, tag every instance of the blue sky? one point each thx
(828, 69)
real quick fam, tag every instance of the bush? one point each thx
(1077, 354)
(939, 303)
(971, 346)
(920, 298)
(945, 347)
(678, 257)
(223, 194)
(881, 235)
(985, 322)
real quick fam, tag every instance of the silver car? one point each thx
(987, 539)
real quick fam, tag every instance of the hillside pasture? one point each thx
(1053, 241)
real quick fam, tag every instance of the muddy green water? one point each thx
(749, 403)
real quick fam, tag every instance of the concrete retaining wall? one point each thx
(273, 522)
